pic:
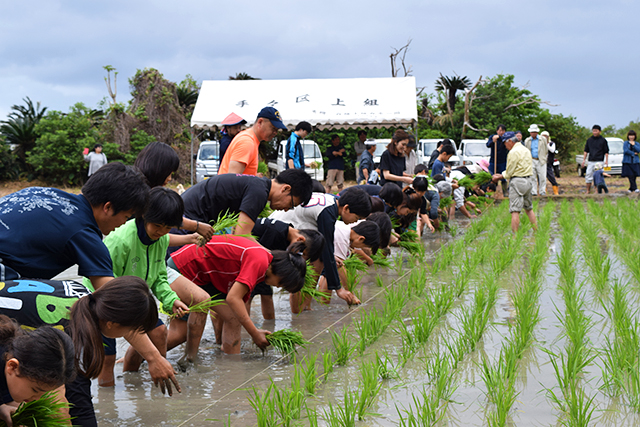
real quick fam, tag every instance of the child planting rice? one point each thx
(229, 267)
(33, 363)
(138, 248)
(321, 213)
(122, 307)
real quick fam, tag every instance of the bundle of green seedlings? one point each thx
(475, 180)
(380, 260)
(201, 307)
(224, 221)
(286, 340)
(446, 202)
(410, 241)
(570, 365)
(354, 267)
(44, 412)
(309, 289)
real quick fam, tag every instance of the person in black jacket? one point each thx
(597, 148)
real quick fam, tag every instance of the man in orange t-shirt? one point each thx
(242, 155)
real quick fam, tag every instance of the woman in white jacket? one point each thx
(96, 158)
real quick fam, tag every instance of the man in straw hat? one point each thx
(538, 148)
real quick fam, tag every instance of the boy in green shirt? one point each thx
(138, 248)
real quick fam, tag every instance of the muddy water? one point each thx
(218, 386)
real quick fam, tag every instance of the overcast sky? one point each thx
(580, 55)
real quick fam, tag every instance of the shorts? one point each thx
(588, 176)
(458, 197)
(172, 274)
(520, 196)
(262, 289)
(335, 176)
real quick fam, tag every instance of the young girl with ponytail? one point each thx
(122, 307)
(229, 267)
(33, 363)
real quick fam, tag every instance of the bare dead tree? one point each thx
(524, 100)
(469, 97)
(107, 80)
(400, 53)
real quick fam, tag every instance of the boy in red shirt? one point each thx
(229, 267)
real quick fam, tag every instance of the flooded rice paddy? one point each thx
(489, 327)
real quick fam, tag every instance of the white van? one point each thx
(207, 160)
(312, 155)
(473, 150)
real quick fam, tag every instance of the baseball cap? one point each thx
(273, 115)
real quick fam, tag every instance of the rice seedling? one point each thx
(310, 373)
(395, 298)
(398, 262)
(369, 328)
(46, 412)
(416, 249)
(417, 281)
(342, 346)
(421, 413)
(423, 325)
(380, 260)
(446, 202)
(379, 281)
(288, 402)
(327, 364)
(453, 230)
(385, 367)
(369, 388)
(354, 267)
(473, 180)
(343, 414)
(409, 345)
(225, 220)
(309, 289)
(201, 307)
(263, 406)
(266, 211)
(286, 340)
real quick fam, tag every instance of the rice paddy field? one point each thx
(483, 328)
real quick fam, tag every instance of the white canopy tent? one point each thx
(325, 103)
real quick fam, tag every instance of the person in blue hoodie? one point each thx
(294, 153)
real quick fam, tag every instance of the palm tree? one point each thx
(19, 128)
(450, 85)
(243, 76)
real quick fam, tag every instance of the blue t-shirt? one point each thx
(294, 151)
(437, 168)
(44, 231)
(598, 177)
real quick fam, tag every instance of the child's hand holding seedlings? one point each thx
(180, 308)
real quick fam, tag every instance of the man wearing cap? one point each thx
(597, 149)
(519, 170)
(242, 155)
(538, 148)
(366, 161)
(498, 158)
(551, 151)
(294, 154)
(231, 126)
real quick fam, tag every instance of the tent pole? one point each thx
(191, 157)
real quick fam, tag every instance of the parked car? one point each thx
(207, 160)
(312, 155)
(615, 158)
(473, 150)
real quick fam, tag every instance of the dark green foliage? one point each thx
(57, 154)
(19, 129)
